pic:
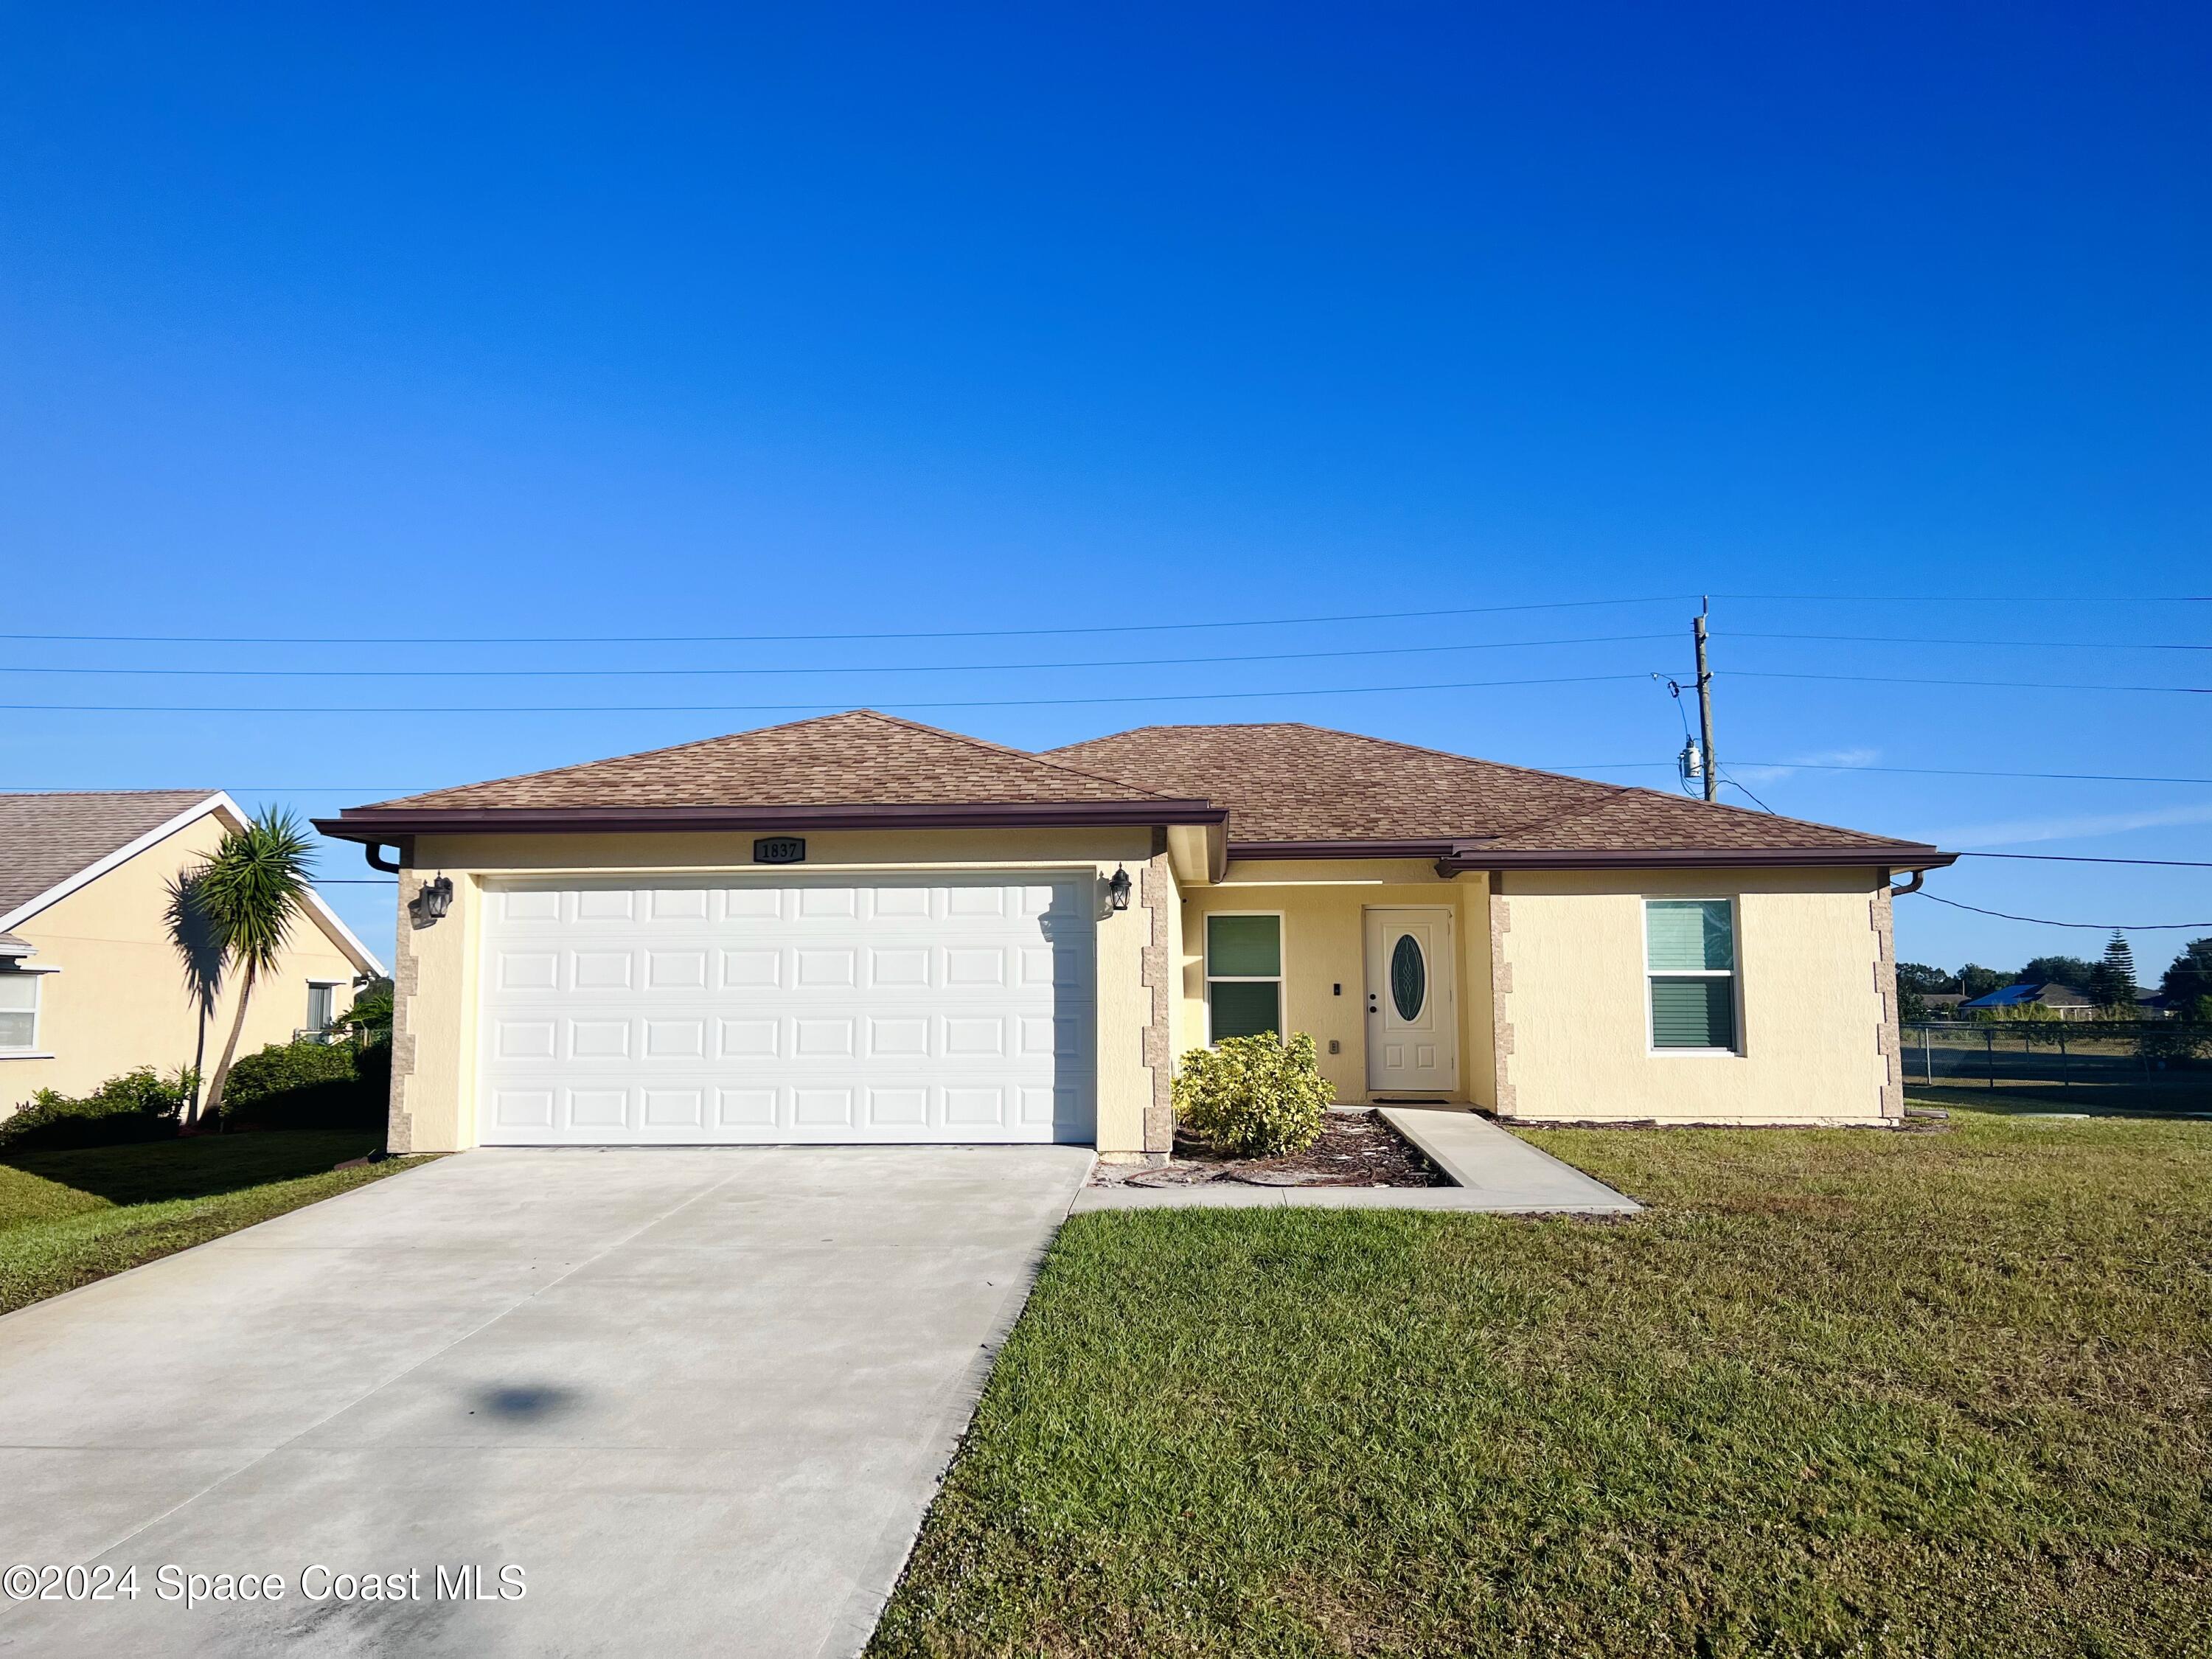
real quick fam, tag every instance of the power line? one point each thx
(2038, 645)
(1912, 679)
(1932, 772)
(1556, 766)
(2096, 926)
(765, 638)
(790, 707)
(2083, 858)
(1121, 628)
(1980, 598)
(865, 668)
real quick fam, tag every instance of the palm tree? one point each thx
(198, 944)
(251, 889)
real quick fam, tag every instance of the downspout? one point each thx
(1912, 886)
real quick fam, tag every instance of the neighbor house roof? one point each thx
(1281, 790)
(860, 764)
(2016, 996)
(55, 842)
(1293, 789)
(47, 839)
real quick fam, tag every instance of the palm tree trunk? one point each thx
(199, 1067)
(214, 1107)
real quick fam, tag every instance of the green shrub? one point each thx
(2176, 1045)
(310, 1085)
(140, 1105)
(1252, 1096)
(284, 1066)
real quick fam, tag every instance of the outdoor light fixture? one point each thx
(1117, 890)
(432, 900)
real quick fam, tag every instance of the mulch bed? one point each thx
(1355, 1149)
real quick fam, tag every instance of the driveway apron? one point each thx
(682, 1400)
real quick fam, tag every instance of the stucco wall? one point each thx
(119, 1000)
(433, 1059)
(1324, 903)
(1810, 955)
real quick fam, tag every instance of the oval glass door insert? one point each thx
(1409, 977)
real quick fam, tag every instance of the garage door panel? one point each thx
(818, 1010)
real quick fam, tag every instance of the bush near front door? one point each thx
(1252, 1096)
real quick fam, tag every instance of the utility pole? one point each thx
(1705, 702)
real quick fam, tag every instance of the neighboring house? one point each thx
(860, 929)
(90, 985)
(1943, 1003)
(2062, 1001)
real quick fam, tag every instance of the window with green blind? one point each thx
(1243, 976)
(1689, 957)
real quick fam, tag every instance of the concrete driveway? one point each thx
(699, 1398)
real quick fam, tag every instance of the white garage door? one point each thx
(821, 1010)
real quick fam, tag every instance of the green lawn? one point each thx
(67, 1218)
(1839, 1393)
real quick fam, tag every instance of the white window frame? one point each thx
(1735, 991)
(1279, 979)
(36, 977)
(331, 986)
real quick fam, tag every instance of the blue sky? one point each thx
(673, 321)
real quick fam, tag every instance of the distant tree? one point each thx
(2112, 981)
(1911, 1004)
(2188, 980)
(1919, 976)
(2072, 971)
(1976, 981)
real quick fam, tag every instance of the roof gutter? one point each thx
(1457, 857)
(376, 826)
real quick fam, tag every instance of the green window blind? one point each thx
(1243, 976)
(1693, 1014)
(1690, 953)
(1243, 947)
(1246, 1007)
(1690, 936)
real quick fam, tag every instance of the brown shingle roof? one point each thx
(1294, 782)
(857, 759)
(44, 839)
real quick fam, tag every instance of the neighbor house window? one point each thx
(1243, 976)
(1689, 957)
(19, 1012)
(320, 1008)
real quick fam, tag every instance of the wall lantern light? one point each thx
(432, 900)
(1117, 890)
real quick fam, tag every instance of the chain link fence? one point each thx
(2159, 1066)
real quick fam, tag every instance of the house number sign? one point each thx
(779, 849)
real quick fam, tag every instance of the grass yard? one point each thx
(1840, 1393)
(67, 1218)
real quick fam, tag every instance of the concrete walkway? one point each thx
(1497, 1173)
(700, 1398)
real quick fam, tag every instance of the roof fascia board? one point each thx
(99, 867)
(373, 824)
(1459, 857)
(1887, 857)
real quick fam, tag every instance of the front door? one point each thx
(1412, 1003)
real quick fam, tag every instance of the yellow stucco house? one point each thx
(90, 985)
(860, 929)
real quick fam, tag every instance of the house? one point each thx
(2064, 1000)
(860, 929)
(1942, 1005)
(90, 985)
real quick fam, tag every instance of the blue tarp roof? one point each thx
(2012, 996)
